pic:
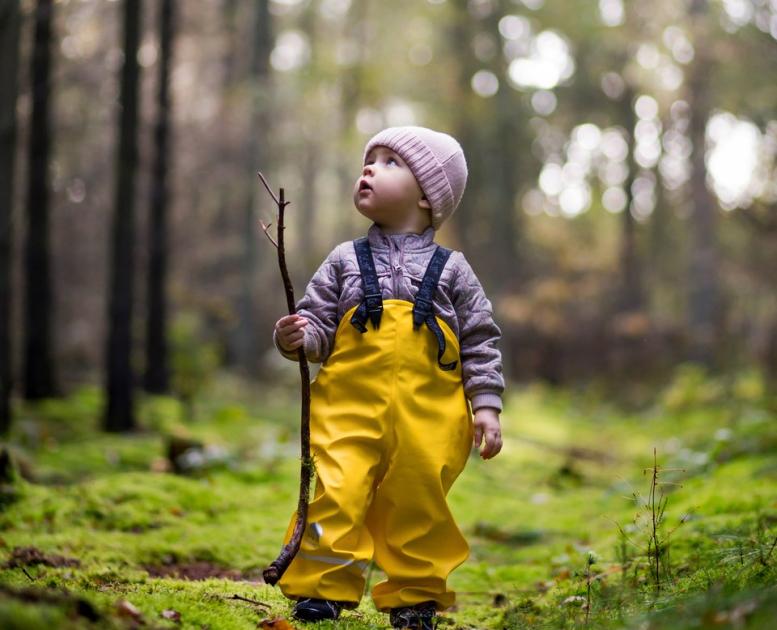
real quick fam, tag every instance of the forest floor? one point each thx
(97, 532)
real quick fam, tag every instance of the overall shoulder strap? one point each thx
(423, 311)
(372, 304)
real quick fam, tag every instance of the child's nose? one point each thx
(367, 169)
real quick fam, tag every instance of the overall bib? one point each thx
(390, 432)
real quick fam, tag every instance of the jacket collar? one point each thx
(378, 239)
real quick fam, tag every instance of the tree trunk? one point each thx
(508, 174)
(245, 342)
(663, 248)
(506, 226)
(631, 293)
(38, 368)
(470, 237)
(119, 413)
(9, 58)
(704, 290)
(157, 378)
(311, 139)
(350, 97)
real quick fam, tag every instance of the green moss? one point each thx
(571, 474)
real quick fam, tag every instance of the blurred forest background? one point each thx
(621, 210)
(621, 213)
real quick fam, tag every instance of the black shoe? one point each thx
(418, 617)
(316, 609)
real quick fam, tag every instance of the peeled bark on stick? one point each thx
(278, 566)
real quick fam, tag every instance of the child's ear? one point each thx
(424, 203)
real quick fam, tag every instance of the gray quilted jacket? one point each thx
(400, 262)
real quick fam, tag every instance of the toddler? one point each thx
(408, 344)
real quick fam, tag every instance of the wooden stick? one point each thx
(278, 566)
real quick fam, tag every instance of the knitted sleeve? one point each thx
(481, 360)
(319, 307)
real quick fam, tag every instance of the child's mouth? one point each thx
(364, 186)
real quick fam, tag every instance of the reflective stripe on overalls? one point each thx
(390, 432)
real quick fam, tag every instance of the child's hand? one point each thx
(487, 425)
(290, 330)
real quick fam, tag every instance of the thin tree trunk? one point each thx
(350, 97)
(506, 227)
(223, 267)
(38, 368)
(157, 378)
(231, 66)
(9, 58)
(470, 237)
(246, 341)
(631, 294)
(506, 223)
(119, 413)
(310, 152)
(704, 290)
(662, 253)
(229, 62)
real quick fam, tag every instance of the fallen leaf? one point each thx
(574, 599)
(275, 624)
(127, 609)
(173, 615)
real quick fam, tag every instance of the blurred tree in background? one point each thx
(119, 378)
(621, 205)
(39, 381)
(156, 376)
(9, 58)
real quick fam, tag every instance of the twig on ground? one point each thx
(765, 560)
(249, 600)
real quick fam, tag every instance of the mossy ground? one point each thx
(569, 486)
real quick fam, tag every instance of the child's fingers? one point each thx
(493, 444)
(290, 323)
(292, 345)
(293, 336)
(291, 331)
(478, 437)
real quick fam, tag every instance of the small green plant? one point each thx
(751, 548)
(590, 559)
(651, 521)
(625, 559)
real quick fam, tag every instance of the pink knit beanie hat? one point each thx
(437, 161)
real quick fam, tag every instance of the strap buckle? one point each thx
(424, 305)
(422, 308)
(374, 303)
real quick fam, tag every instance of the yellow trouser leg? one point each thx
(337, 547)
(417, 542)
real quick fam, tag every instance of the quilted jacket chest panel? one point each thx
(400, 263)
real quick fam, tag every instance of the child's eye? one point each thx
(390, 160)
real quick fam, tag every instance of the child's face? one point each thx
(387, 192)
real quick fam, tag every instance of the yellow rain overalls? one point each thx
(390, 432)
